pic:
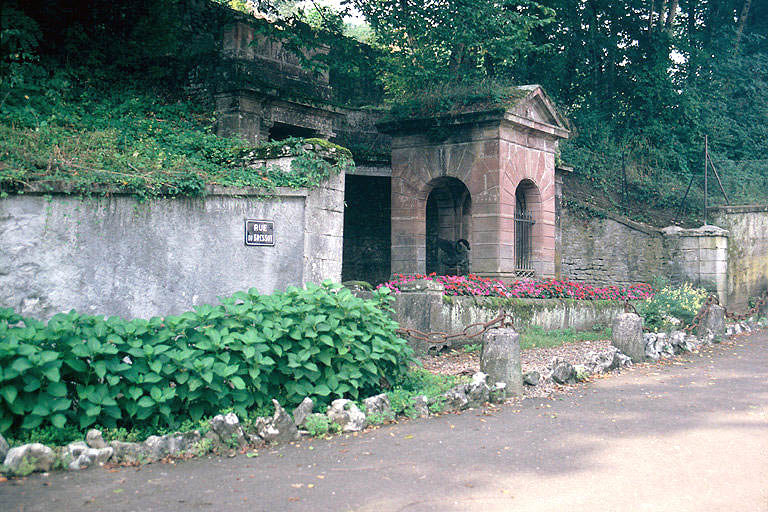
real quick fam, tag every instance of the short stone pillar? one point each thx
(419, 306)
(500, 359)
(628, 336)
(714, 321)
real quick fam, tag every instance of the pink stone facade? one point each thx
(491, 154)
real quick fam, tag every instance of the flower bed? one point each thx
(473, 285)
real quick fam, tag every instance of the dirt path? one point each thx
(688, 436)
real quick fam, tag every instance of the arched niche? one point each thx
(448, 220)
(528, 228)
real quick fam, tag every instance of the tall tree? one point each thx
(450, 41)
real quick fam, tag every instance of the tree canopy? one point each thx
(643, 81)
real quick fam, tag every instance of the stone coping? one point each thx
(704, 231)
(63, 188)
(743, 208)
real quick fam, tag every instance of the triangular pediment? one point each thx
(534, 105)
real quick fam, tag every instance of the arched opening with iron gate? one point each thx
(448, 219)
(527, 233)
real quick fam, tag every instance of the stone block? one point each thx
(628, 336)
(713, 321)
(500, 359)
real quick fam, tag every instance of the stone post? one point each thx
(714, 321)
(419, 305)
(500, 359)
(628, 336)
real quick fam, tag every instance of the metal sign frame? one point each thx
(270, 231)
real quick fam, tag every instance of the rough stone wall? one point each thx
(747, 251)
(260, 87)
(616, 251)
(356, 130)
(115, 256)
(607, 252)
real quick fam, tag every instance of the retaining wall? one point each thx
(115, 256)
(616, 251)
(747, 251)
(424, 308)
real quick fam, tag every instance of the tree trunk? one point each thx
(650, 15)
(671, 15)
(742, 21)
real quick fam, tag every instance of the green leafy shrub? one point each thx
(81, 370)
(317, 424)
(419, 382)
(672, 306)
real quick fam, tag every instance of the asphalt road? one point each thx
(689, 435)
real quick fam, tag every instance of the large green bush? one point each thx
(79, 370)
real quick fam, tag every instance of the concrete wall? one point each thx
(115, 256)
(427, 310)
(747, 251)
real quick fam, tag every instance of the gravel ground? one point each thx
(458, 362)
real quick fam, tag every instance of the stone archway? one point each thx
(528, 228)
(448, 221)
(491, 151)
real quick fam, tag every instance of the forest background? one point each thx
(641, 81)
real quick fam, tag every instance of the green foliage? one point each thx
(454, 42)
(536, 337)
(99, 141)
(419, 382)
(378, 418)
(79, 370)
(447, 100)
(317, 424)
(472, 348)
(672, 306)
(88, 126)
(203, 447)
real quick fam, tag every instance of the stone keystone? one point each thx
(500, 359)
(628, 336)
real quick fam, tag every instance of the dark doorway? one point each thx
(282, 131)
(367, 239)
(449, 209)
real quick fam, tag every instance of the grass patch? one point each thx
(536, 337)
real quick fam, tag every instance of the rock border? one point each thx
(227, 433)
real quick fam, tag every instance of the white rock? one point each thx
(301, 412)
(280, 428)
(228, 429)
(38, 456)
(81, 456)
(378, 404)
(94, 439)
(477, 391)
(347, 415)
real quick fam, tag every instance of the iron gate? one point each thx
(523, 230)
